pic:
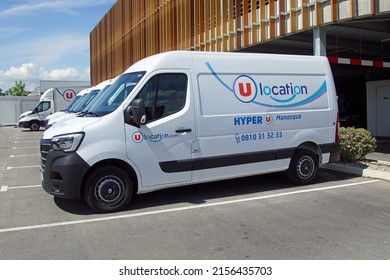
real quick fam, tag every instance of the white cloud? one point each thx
(58, 74)
(30, 75)
(26, 71)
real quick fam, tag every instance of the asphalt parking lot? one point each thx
(263, 217)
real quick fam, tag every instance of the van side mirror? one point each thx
(135, 114)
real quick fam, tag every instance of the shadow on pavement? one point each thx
(201, 193)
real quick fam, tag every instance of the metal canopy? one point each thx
(367, 39)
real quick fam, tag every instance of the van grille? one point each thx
(45, 148)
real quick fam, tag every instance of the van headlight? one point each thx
(67, 142)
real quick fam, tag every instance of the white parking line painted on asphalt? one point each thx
(7, 188)
(24, 187)
(29, 139)
(29, 155)
(30, 147)
(179, 209)
(20, 167)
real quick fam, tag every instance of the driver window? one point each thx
(45, 105)
(164, 95)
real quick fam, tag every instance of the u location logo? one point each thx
(69, 94)
(245, 88)
(137, 137)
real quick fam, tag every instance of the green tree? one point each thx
(18, 89)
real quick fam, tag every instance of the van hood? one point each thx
(25, 114)
(74, 125)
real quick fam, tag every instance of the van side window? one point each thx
(45, 105)
(164, 95)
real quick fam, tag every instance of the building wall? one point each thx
(134, 29)
(12, 106)
(378, 104)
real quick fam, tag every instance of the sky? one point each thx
(47, 39)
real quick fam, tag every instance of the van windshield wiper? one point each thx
(82, 113)
(89, 113)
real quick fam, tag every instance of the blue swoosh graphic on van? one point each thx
(218, 78)
(283, 101)
(320, 92)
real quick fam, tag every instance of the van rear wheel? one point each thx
(108, 189)
(303, 167)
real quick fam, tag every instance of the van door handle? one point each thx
(183, 130)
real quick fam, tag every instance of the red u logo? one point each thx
(68, 95)
(245, 92)
(268, 119)
(137, 137)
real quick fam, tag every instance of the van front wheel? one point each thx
(303, 167)
(108, 189)
(34, 126)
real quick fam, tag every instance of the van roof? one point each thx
(83, 92)
(242, 62)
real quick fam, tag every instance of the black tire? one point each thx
(303, 167)
(34, 126)
(108, 189)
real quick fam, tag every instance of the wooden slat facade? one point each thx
(134, 29)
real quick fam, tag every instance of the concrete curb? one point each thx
(365, 172)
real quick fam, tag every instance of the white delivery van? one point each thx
(52, 100)
(180, 118)
(53, 118)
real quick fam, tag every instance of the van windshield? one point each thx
(85, 101)
(93, 101)
(115, 94)
(70, 104)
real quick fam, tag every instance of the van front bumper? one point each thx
(23, 124)
(63, 173)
